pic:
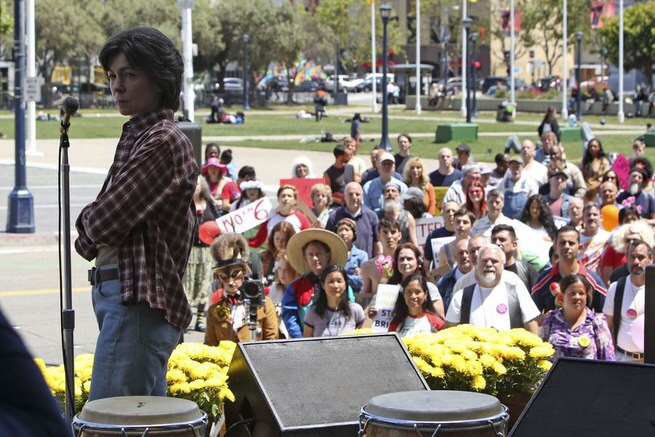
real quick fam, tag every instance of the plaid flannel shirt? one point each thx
(145, 209)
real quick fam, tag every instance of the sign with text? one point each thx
(621, 167)
(247, 217)
(437, 244)
(385, 301)
(304, 187)
(426, 225)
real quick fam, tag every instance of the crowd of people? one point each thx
(539, 242)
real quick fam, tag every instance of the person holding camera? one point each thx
(241, 306)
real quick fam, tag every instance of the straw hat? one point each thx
(295, 245)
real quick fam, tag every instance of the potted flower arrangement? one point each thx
(196, 372)
(508, 365)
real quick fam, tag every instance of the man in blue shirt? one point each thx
(366, 220)
(374, 189)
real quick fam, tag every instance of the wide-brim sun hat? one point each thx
(214, 162)
(295, 245)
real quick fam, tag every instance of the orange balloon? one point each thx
(610, 214)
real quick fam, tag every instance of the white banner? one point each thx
(247, 217)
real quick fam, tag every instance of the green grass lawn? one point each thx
(280, 120)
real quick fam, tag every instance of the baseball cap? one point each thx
(413, 193)
(386, 156)
(515, 159)
(485, 169)
(558, 173)
(463, 148)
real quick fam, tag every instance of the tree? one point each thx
(638, 39)
(349, 22)
(542, 25)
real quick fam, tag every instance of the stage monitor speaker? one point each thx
(585, 398)
(315, 386)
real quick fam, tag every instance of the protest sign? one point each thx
(385, 301)
(426, 225)
(304, 187)
(247, 217)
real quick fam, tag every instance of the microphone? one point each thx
(71, 105)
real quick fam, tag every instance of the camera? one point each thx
(252, 292)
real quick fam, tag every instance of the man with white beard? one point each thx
(635, 194)
(497, 301)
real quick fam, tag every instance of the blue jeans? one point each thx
(133, 346)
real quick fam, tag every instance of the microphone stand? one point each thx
(68, 314)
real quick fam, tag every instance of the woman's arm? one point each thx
(411, 228)
(439, 308)
(270, 324)
(603, 337)
(308, 331)
(432, 202)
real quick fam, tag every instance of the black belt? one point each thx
(97, 276)
(635, 355)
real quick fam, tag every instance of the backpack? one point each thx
(618, 302)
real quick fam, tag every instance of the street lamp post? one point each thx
(246, 103)
(385, 13)
(578, 75)
(467, 21)
(474, 81)
(20, 213)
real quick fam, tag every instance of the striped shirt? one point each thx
(546, 301)
(145, 209)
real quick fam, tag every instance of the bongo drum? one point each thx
(140, 416)
(433, 413)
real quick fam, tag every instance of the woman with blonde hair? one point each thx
(614, 254)
(416, 176)
(321, 196)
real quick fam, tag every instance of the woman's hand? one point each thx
(372, 312)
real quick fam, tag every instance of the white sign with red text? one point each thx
(247, 217)
(426, 225)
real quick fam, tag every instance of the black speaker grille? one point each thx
(592, 398)
(327, 381)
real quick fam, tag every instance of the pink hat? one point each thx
(214, 162)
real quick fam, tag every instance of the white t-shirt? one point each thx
(490, 306)
(634, 301)
(334, 323)
(415, 325)
(434, 292)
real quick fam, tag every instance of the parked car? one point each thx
(233, 85)
(367, 84)
(490, 81)
(278, 83)
(453, 85)
(548, 83)
(344, 80)
(308, 86)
